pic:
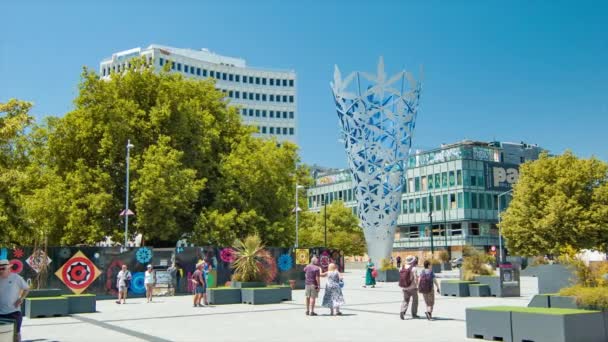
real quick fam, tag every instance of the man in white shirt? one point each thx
(13, 290)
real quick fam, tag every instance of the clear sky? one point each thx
(533, 71)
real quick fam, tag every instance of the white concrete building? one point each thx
(266, 98)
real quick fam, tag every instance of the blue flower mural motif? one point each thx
(285, 262)
(143, 255)
(137, 283)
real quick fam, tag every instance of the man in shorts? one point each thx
(200, 284)
(312, 284)
(13, 290)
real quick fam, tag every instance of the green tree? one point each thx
(559, 202)
(343, 231)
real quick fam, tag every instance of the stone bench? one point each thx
(224, 295)
(82, 303)
(479, 290)
(46, 307)
(457, 288)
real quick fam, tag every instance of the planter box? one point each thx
(479, 290)
(224, 295)
(388, 276)
(551, 278)
(285, 291)
(563, 302)
(436, 268)
(266, 295)
(496, 290)
(46, 307)
(41, 293)
(446, 266)
(457, 288)
(8, 330)
(539, 301)
(83, 303)
(487, 324)
(247, 284)
(562, 325)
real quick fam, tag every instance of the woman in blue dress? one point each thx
(333, 297)
(369, 277)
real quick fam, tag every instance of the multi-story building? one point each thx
(266, 98)
(457, 189)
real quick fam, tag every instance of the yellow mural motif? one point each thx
(78, 273)
(302, 256)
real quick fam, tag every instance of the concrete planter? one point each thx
(388, 276)
(563, 302)
(266, 295)
(457, 288)
(566, 325)
(446, 266)
(285, 290)
(496, 290)
(46, 307)
(224, 295)
(489, 325)
(83, 303)
(247, 284)
(539, 301)
(551, 278)
(7, 330)
(436, 268)
(479, 290)
(41, 293)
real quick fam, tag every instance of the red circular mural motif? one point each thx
(79, 273)
(16, 266)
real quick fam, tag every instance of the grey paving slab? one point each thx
(370, 314)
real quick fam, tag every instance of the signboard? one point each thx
(335, 178)
(501, 176)
(163, 277)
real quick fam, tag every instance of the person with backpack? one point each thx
(123, 282)
(200, 284)
(408, 281)
(425, 286)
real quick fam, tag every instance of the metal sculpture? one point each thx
(377, 116)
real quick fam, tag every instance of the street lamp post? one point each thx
(126, 212)
(431, 221)
(297, 210)
(500, 227)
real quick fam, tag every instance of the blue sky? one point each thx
(534, 71)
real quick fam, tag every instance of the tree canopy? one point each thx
(558, 203)
(195, 169)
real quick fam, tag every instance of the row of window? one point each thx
(328, 198)
(460, 200)
(227, 76)
(444, 180)
(453, 229)
(276, 130)
(267, 113)
(235, 94)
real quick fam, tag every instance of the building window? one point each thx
(452, 178)
(489, 202)
(244, 79)
(291, 131)
(244, 95)
(456, 228)
(278, 98)
(251, 96)
(430, 181)
(437, 203)
(192, 70)
(410, 182)
(411, 206)
(237, 94)
(291, 83)
(257, 97)
(423, 183)
(244, 111)
(431, 203)
(473, 180)
(424, 204)
(444, 179)
(271, 98)
(284, 98)
(251, 112)
(224, 76)
(198, 71)
(230, 78)
(459, 177)
(291, 98)
(404, 207)
(284, 115)
(179, 66)
(291, 115)
(284, 83)
(212, 73)
(417, 205)
(482, 201)
(474, 200)
(263, 97)
(272, 113)
(257, 113)
(453, 201)
(251, 79)
(230, 94)
(237, 78)
(161, 61)
(263, 129)
(257, 80)
(460, 200)
(271, 130)
(445, 202)
(185, 68)
(284, 130)
(264, 113)
(264, 81)
(437, 181)
(204, 72)
(474, 229)
(271, 81)
(417, 184)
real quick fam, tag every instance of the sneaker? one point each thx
(339, 313)
(117, 302)
(307, 313)
(428, 315)
(415, 316)
(313, 313)
(402, 315)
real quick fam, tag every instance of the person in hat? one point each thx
(200, 284)
(13, 290)
(408, 281)
(149, 281)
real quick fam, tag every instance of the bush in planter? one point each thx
(443, 256)
(477, 264)
(385, 265)
(252, 261)
(588, 297)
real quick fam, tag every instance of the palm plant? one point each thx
(251, 260)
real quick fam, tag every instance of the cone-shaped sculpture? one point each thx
(377, 116)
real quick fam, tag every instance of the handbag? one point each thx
(341, 283)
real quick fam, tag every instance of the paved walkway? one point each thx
(370, 314)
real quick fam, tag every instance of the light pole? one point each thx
(297, 210)
(126, 212)
(500, 227)
(431, 220)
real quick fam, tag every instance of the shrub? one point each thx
(469, 250)
(539, 260)
(475, 264)
(252, 261)
(588, 297)
(443, 256)
(385, 265)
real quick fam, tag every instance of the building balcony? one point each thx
(440, 241)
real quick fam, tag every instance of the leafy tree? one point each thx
(559, 202)
(343, 231)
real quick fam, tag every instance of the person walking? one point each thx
(208, 267)
(172, 270)
(333, 297)
(149, 282)
(198, 278)
(370, 280)
(311, 288)
(13, 290)
(409, 285)
(398, 261)
(123, 281)
(425, 286)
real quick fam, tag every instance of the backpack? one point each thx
(425, 282)
(405, 277)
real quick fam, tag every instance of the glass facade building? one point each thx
(456, 187)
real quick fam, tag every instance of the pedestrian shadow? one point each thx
(445, 319)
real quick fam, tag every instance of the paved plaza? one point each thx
(371, 314)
